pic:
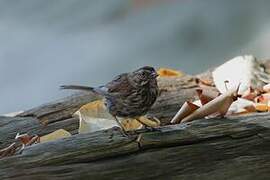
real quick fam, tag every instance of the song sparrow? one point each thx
(129, 94)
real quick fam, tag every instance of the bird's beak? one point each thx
(155, 74)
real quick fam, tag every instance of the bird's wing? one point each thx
(120, 84)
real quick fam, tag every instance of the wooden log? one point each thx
(233, 148)
(10, 126)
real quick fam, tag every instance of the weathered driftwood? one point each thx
(10, 126)
(235, 148)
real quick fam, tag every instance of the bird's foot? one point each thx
(151, 117)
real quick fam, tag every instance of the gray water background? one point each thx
(47, 43)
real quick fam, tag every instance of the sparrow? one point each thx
(128, 95)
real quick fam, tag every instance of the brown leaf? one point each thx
(186, 109)
(149, 122)
(220, 104)
(263, 98)
(205, 82)
(249, 94)
(261, 107)
(35, 139)
(266, 88)
(94, 117)
(24, 138)
(206, 96)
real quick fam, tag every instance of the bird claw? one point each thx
(151, 117)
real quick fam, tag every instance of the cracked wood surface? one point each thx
(234, 148)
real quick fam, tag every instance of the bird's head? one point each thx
(144, 75)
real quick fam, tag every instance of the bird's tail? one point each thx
(75, 87)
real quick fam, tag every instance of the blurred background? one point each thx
(48, 43)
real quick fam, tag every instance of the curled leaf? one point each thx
(266, 88)
(240, 106)
(186, 109)
(219, 105)
(206, 96)
(249, 94)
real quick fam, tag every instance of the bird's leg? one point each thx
(124, 132)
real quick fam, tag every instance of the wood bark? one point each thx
(234, 148)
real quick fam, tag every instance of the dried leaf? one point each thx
(130, 124)
(205, 82)
(250, 94)
(250, 109)
(149, 122)
(94, 117)
(241, 112)
(197, 103)
(263, 98)
(206, 96)
(164, 72)
(58, 134)
(241, 105)
(266, 88)
(24, 138)
(242, 69)
(219, 105)
(34, 139)
(186, 109)
(261, 107)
